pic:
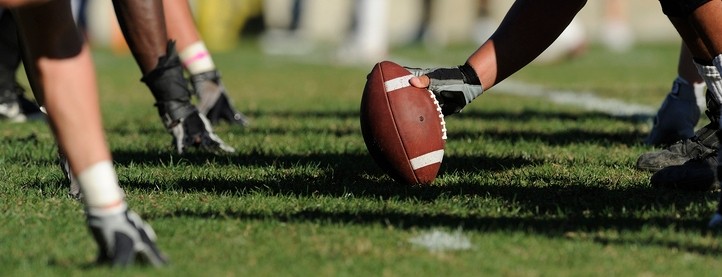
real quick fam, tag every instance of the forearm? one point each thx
(143, 25)
(528, 28)
(179, 20)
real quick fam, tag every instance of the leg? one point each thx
(708, 23)
(697, 28)
(61, 69)
(679, 113)
(144, 29)
(13, 104)
(214, 102)
(9, 62)
(143, 25)
(675, 121)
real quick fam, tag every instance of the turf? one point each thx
(527, 187)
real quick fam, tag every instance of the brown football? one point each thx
(402, 126)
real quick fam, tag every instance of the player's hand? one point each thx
(453, 87)
(122, 237)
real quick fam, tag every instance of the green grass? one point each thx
(539, 189)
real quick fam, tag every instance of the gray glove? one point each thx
(453, 87)
(122, 237)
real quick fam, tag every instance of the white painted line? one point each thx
(441, 241)
(586, 100)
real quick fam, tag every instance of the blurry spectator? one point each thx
(221, 21)
(283, 34)
(616, 34)
(368, 40)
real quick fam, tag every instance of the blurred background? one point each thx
(363, 31)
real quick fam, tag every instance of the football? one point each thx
(402, 126)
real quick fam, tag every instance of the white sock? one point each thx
(717, 61)
(712, 78)
(196, 58)
(101, 192)
(700, 92)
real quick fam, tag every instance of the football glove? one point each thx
(453, 87)
(123, 237)
(213, 101)
(195, 131)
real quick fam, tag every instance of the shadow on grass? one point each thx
(575, 207)
(565, 204)
(477, 113)
(550, 227)
(569, 136)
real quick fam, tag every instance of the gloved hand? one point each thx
(453, 87)
(122, 237)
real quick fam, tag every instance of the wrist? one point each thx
(470, 76)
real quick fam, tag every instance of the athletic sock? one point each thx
(101, 192)
(196, 58)
(711, 77)
(700, 90)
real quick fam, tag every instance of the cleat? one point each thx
(213, 99)
(11, 112)
(704, 143)
(695, 175)
(195, 131)
(123, 238)
(9, 106)
(14, 107)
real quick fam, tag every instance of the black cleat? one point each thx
(697, 175)
(14, 107)
(703, 144)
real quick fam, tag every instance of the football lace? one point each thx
(441, 115)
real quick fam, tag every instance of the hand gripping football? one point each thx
(402, 126)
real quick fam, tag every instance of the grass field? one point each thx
(527, 187)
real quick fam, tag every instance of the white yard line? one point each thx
(587, 100)
(583, 99)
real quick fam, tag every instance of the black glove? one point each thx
(453, 87)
